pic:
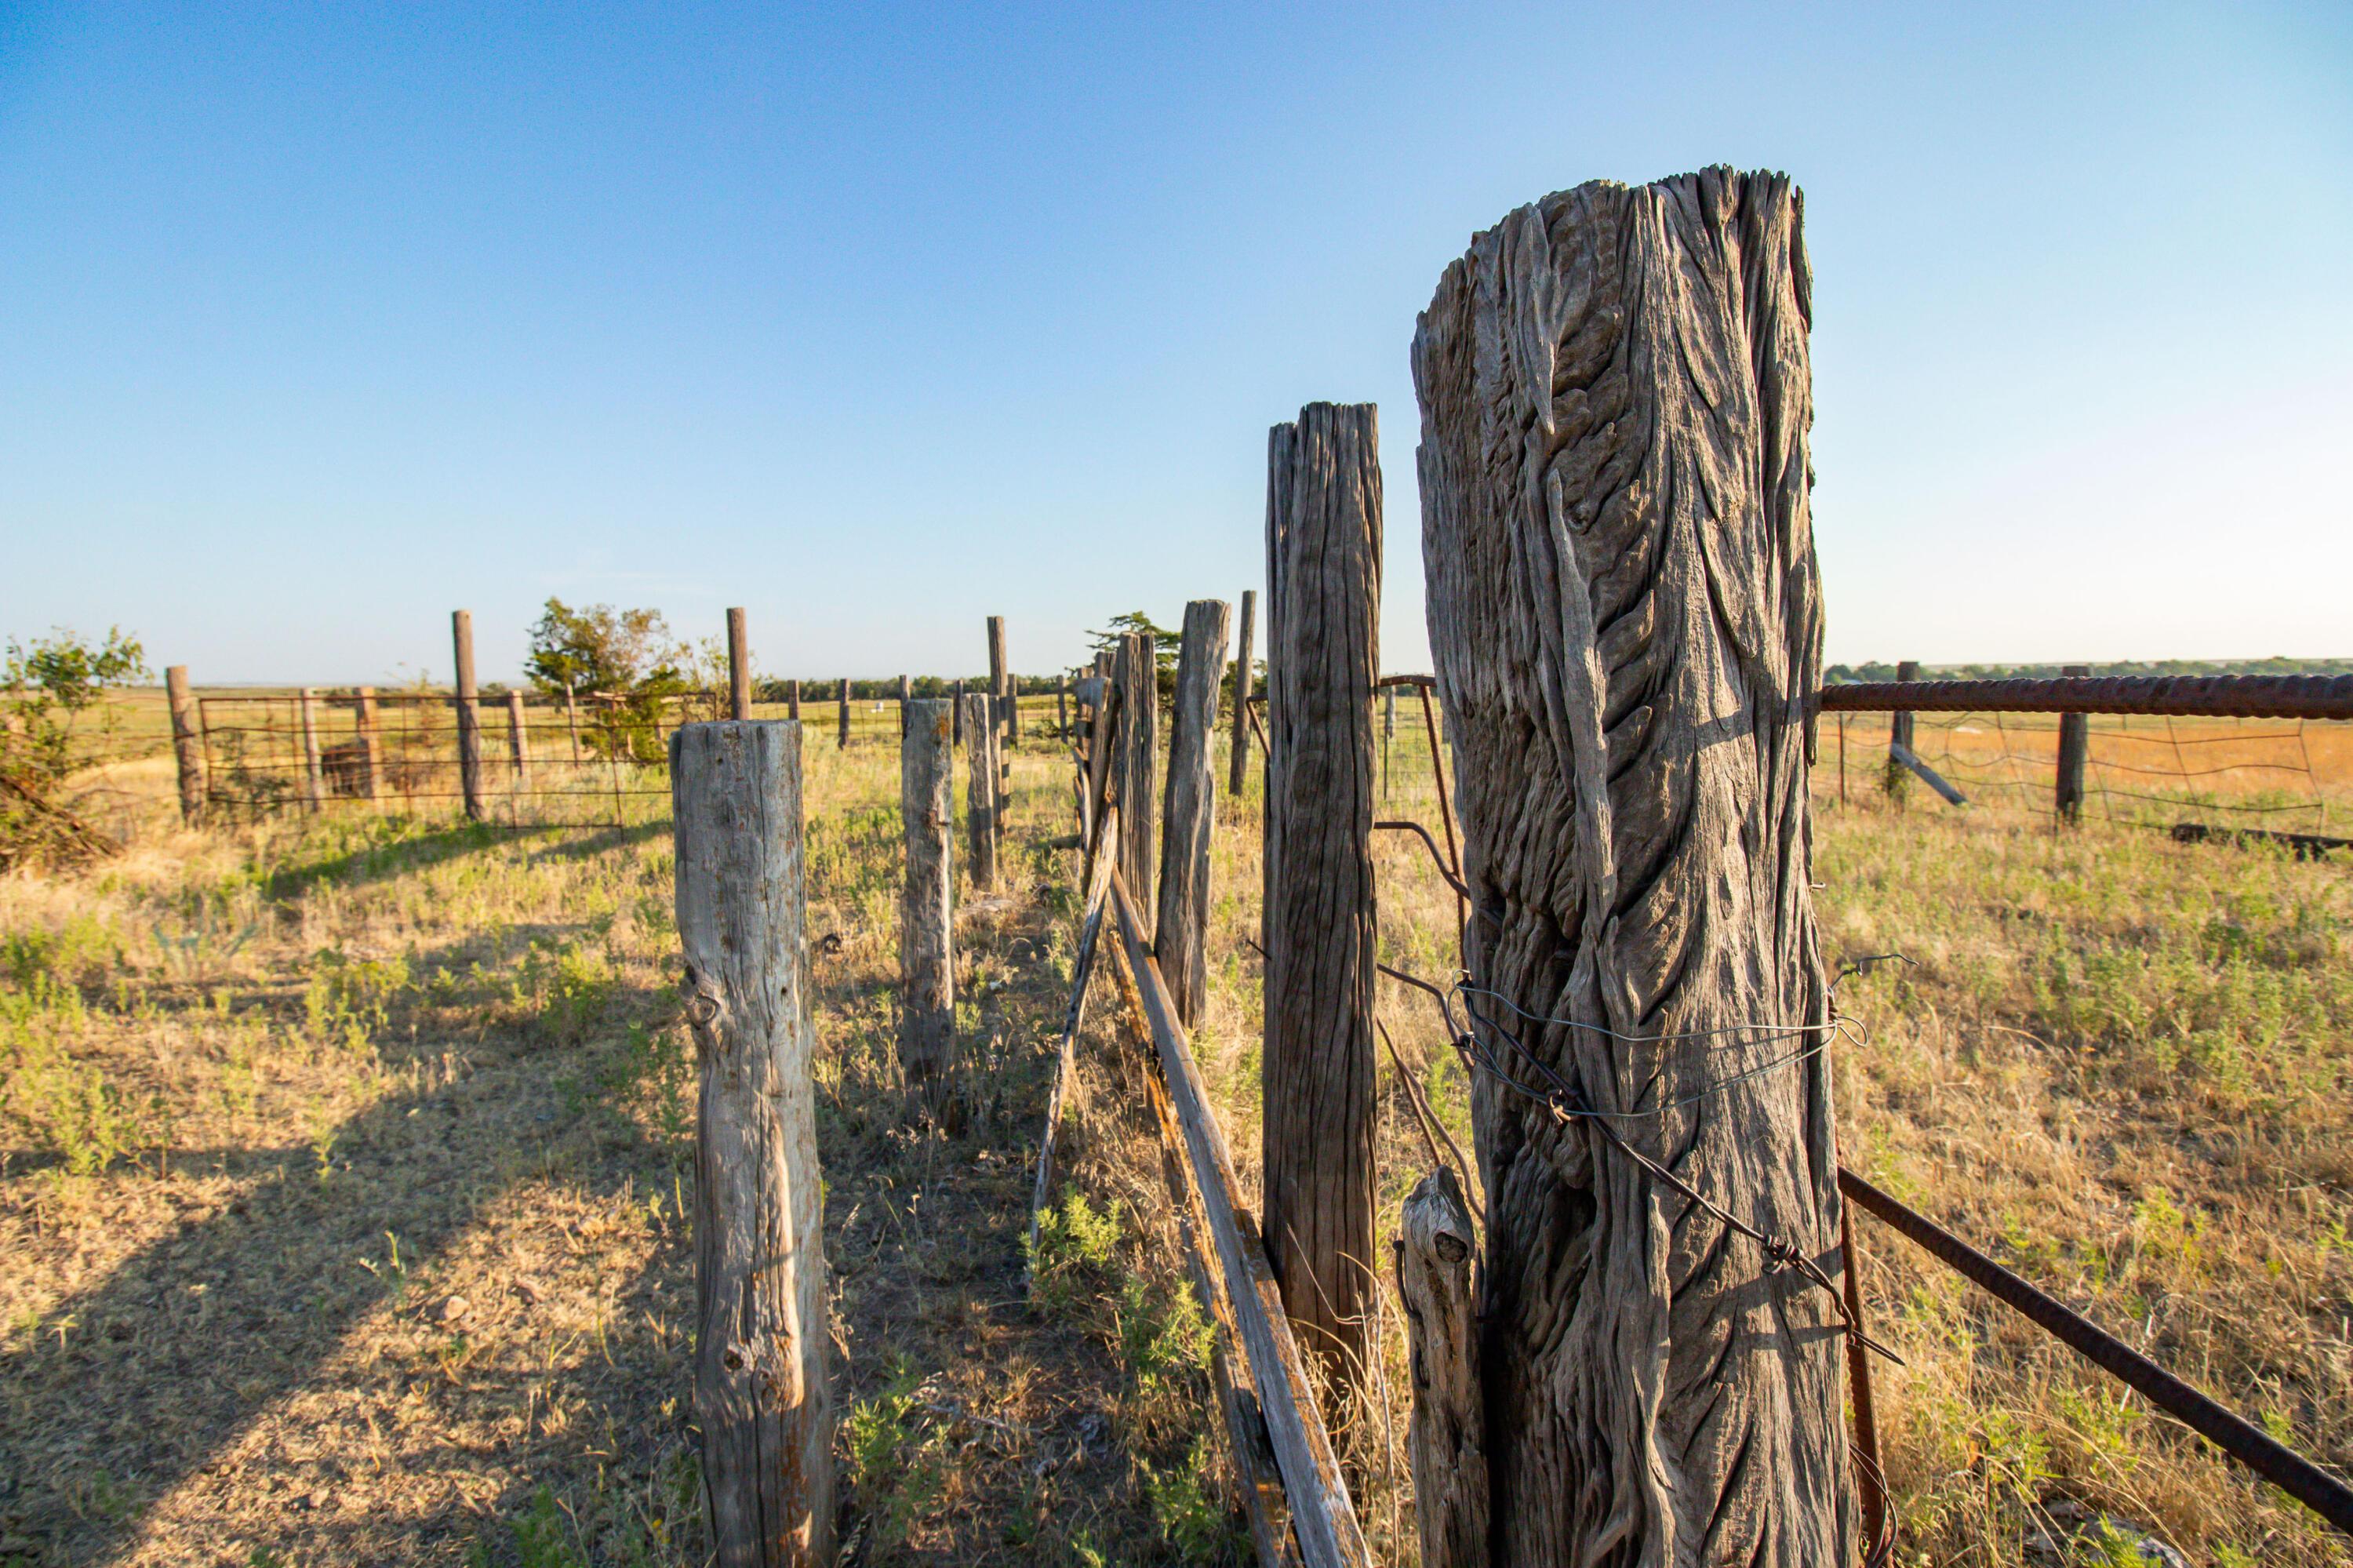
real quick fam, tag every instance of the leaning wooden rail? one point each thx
(1323, 1518)
(2179, 696)
(2294, 1474)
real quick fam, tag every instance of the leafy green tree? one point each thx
(625, 660)
(48, 687)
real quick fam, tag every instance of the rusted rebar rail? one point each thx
(2249, 1445)
(2177, 696)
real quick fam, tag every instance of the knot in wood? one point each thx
(704, 1004)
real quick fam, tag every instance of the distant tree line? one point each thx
(1843, 674)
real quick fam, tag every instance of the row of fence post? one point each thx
(2074, 750)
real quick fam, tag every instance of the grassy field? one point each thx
(343, 1164)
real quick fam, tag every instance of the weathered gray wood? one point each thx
(762, 1394)
(519, 743)
(1626, 615)
(469, 714)
(843, 740)
(1322, 1516)
(1245, 678)
(958, 710)
(1436, 1250)
(906, 696)
(1101, 786)
(314, 785)
(1073, 1017)
(1899, 733)
(2075, 750)
(999, 669)
(792, 699)
(1136, 757)
(980, 787)
(1181, 926)
(927, 905)
(364, 721)
(187, 748)
(1324, 592)
(739, 665)
(1904, 757)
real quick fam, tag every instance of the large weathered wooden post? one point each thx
(980, 786)
(927, 904)
(762, 1396)
(1323, 624)
(1181, 929)
(364, 721)
(739, 665)
(1245, 678)
(843, 740)
(187, 748)
(2075, 750)
(1627, 623)
(469, 714)
(1137, 712)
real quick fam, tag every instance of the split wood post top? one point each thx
(469, 717)
(1323, 598)
(1181, 929)
(761, 1390)
(927, 904)
(2075, 750)
(739, 665)
(1447, 1435)
(1135, 760)
(187, 747)
(1245, 678)
(1631, 751)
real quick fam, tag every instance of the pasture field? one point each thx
(344, 1164)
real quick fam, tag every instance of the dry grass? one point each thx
(271, 1097)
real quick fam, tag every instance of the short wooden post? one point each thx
(1322, 626)
(1135, 760)
(363, 723)
(469, 717)
(958, 710)
(1245, 677)
(187, 750)
(739, 665)
(519, 742)
(792, 699)
(1448, 1438)
(980, 786)
(1899, 733)
(996, 667)
(1062, 706)
(314, 780)
(1181, 929)
(844, 740)
(927, 905)
(762, 1391)
(1012, 707)
(2075, 750)
(906, 696)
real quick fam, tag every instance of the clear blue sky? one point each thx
(316, 322)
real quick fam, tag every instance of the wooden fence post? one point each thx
(906, 696)
(519, 742)
(996, 669)
(1013, 707)
(1448, 1438)
(762, 1392)
(792, 699)
(958, 710)
(313, 783)
(1135, 760)
(739, 665)
(1322, 640)
(980, 786)
(363, 722)
(1181, 930)
(470, 717)
(927, 905)
(1245, 678)
(1899, 733)
(1660, 1386)
(187, 750)
(1388, 733)
(2075, 750)
(844, 741)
